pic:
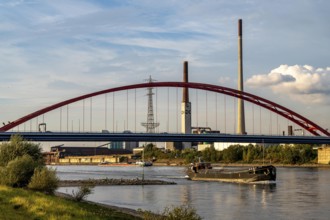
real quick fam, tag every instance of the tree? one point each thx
(233, 153)
(190, 155)
(211, 154)
(17, 147)
(20, 161)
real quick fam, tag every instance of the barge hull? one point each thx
(253, 175)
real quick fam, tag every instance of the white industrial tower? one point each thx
(240, 104)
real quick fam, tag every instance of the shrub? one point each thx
(20, 160)
(3, 174)
(82, 192)
(44, 180)
(182, 212)
(18, 147)
(19, 171)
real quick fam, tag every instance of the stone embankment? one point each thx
(113, 182)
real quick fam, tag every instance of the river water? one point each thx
(299, 193)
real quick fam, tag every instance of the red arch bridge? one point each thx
(279, 110)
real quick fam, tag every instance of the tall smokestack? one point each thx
(185, 108)
(240, 104)
(185, 93)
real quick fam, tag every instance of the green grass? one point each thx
(19, 204)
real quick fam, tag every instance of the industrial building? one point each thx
(323, 154)
(113, 152)
(63, 151)
(86, 155)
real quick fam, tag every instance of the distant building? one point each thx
(323, 154)
(171, 146)
(222, 145)
(63, 151)
(219, 145)
(127, 145)
(86, 155)
(138, 150)
(201, 147)
(116, 145)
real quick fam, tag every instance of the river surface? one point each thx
(299, 193)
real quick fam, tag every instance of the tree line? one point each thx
(284, 154)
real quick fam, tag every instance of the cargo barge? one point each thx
(204, 171)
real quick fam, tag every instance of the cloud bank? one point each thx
(305, 84)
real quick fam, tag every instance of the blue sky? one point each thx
(54, 50)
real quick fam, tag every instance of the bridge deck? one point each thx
(163, 137)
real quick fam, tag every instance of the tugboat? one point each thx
(203, 171)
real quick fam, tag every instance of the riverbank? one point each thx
(274, 164)
(113, 182)
(181, 164)
(128, 211)
(247, 164)
(17, 203)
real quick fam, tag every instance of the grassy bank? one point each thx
(19, 204)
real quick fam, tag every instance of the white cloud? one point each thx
(305, 84)
(273, 78)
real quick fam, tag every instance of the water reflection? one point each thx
(298, 193)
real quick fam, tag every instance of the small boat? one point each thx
(144, 163)
(203, 171)
(102, 163)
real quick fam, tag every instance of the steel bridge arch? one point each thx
(308, 125)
